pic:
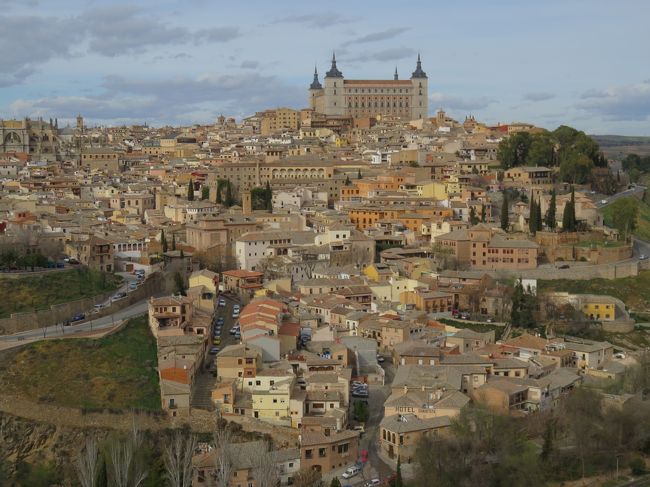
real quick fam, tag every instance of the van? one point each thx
(351, 471)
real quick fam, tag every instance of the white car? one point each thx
(603, 202)
(373, 483)
(351, 471)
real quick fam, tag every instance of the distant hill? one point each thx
(618, 146)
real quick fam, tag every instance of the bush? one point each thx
(637, 465)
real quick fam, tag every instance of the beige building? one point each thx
(272, 121)
(405, 99)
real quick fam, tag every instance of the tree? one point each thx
(335, 482)
(307, 477)
(532, 217)
(569, 214)
(178, 460)
(229, 199)
(624, 213)
(205, 192)
(541, 151)
(223, 460)
(126, 469)
(218, 199)
(190, 191)
(524, 303)
(538, 216)
(549, 219)
(359, 174)
(576, 168)
(547, 445)
(347, 180)
(265, 471)
(483, 213)
(505, 218)
(87, 464)
(269, 197)
(398, 482)
(473, 219)
(173, 241)
(163, 241)
(513, 151)
(179, 282)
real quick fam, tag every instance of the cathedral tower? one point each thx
(334, 91)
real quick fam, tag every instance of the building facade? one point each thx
(405, 99)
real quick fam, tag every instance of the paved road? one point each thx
(635, 191)
(136, 309)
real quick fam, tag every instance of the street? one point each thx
(634, 191)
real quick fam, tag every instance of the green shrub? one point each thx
(637, 465)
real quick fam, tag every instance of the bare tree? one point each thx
(87, 464)
(223, 460)
(307, 478)
(178, 459)
(266, 472)
(126, 470)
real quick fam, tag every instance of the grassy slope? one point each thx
(41, 291)
(478, 327)
(633, 291)
(117, 371)
(643, 220)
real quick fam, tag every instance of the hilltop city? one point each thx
(352, 293)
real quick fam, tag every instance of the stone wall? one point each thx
(62, 312)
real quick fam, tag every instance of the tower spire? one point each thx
(333, 72)
(418, 73)
(315, 84)
(396, 77)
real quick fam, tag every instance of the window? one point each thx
(322, 452)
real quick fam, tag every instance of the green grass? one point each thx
(477, 327)
(117, 371)
(633, 291)
(600, 243)
(41, 291)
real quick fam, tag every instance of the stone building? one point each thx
(406, 99)
(34, 137)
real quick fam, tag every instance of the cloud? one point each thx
(390, 54)
(538, 96)
(249, 65)
(28, 41)
(123, 29)
(176, 100)
(619, 103)
(217, 34)
(316, 21)
(454, 102)
(377, 36)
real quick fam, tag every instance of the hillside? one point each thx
(618, 146)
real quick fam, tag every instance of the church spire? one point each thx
(333, 72)
(396, 76)
(315, 84)
(418, 73)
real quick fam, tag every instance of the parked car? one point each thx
(133, 286)
(220, 321)
(216, 341)
(222, 303)
(238, 335)
(73, 261)
(236, 307)
(217, 332)
(373, 483)
(351, 471)
(118, 296)
(564, 266)
(380, 359)
(234, 330)
(214, 350)
(78, 317)
(643, 257)
(362, 393)
(619, 355)
(99, 306)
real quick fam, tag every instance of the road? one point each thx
(634, 191)
(136, 309)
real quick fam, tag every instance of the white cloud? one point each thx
(619, 103)
(455, 102)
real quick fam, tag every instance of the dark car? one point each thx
(78, 317)
(564, 266)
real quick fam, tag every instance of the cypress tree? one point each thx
(205, 192)
(359, 174)
(538, 216)
(229, 200)
(173, 241)
(268, 196)
(190, 191)
(473, 220)
(532, 216)
(219, 185)
(505, 223)
(550, 219)
(347, 181)
(483, 214)
(163, 241)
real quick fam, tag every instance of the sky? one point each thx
(583, 63)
